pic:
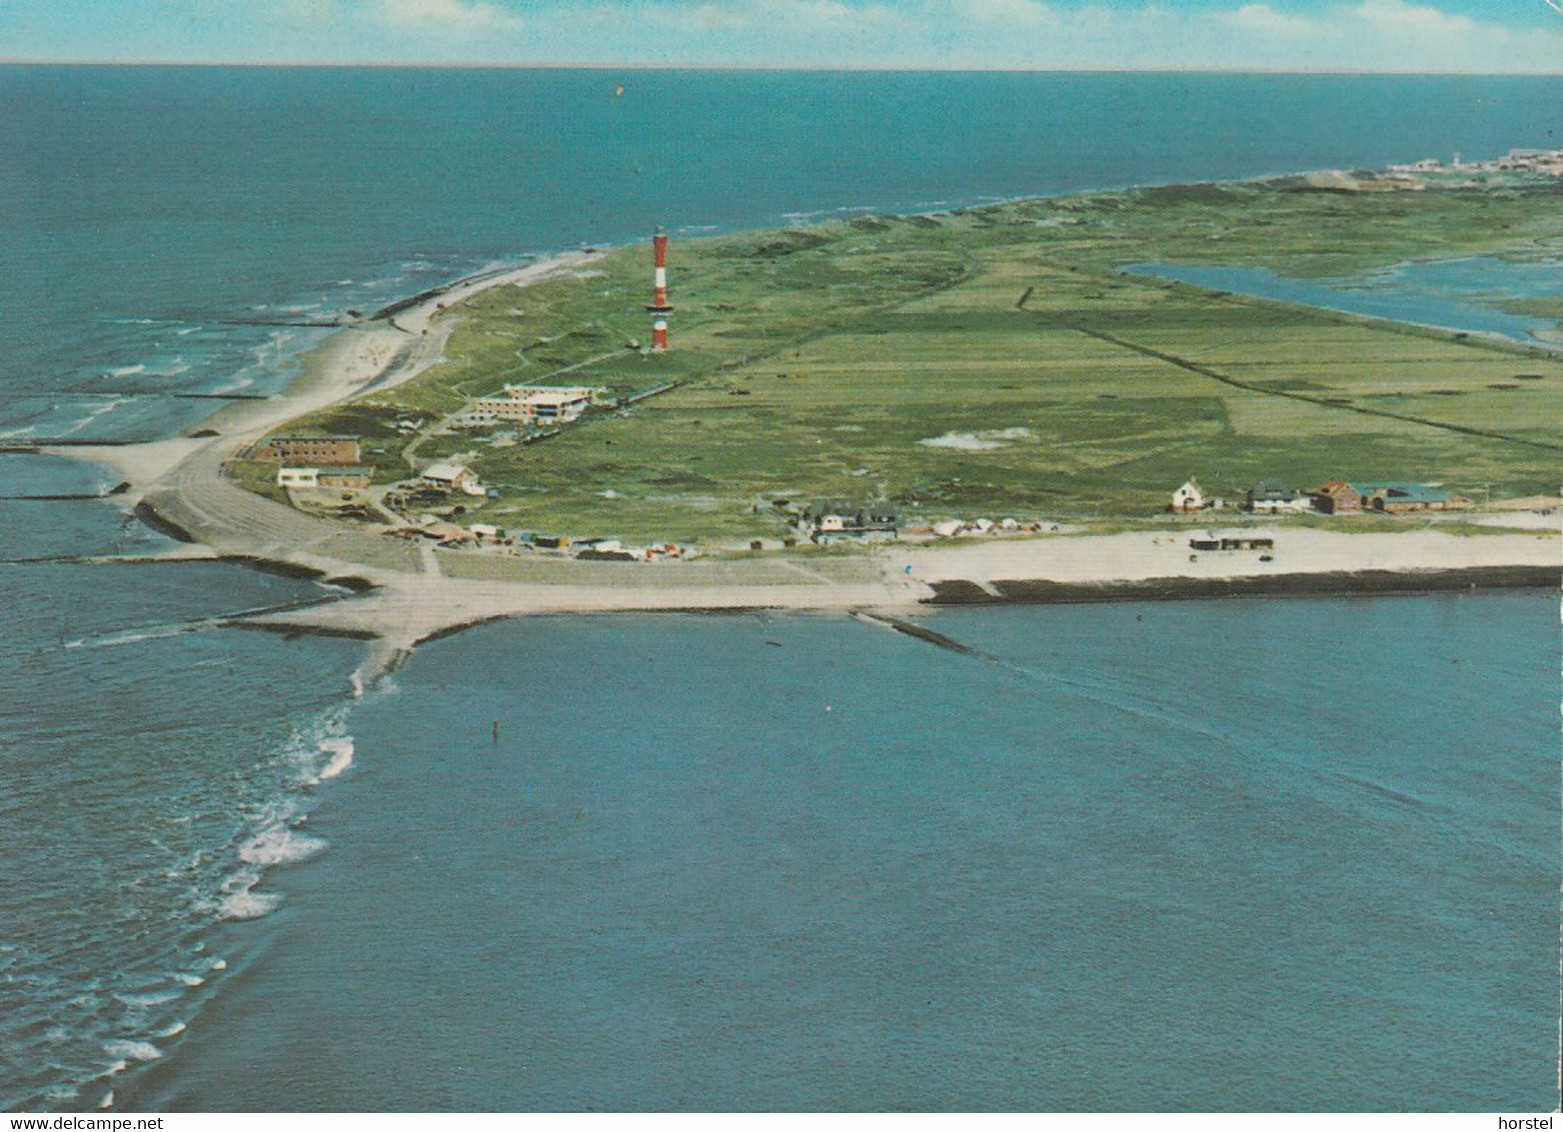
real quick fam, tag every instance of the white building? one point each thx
(1189, 497)
(298, 477)
(532, 403)
(1294, 506)
(452, 477)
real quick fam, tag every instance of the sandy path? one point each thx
(1144, 555)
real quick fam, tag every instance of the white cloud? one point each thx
(447, 15)
(1398, 17)
(719, 17)
(1011, 13)
(309, 13)
(1262, 19)
(1348, 35)
(788, 14)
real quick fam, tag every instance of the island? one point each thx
(1039, 400)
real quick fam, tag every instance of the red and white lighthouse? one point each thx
(659, 294)
(659, 305)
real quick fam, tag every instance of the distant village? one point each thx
(1546, 161)
(1430, 172)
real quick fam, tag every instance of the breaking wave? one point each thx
(280, 845)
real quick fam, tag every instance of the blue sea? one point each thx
(1247, 854)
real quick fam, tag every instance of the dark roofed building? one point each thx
(1270, 496)
(833, 517)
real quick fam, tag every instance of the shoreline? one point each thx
(1346, 583)
(179, 486)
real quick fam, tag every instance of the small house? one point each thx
(452, 477)
(836, 518)
(1271, 497)
(1337, 497)
(1188, 498)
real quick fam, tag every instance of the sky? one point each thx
(1481, 36)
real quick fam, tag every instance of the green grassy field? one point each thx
(819, 362)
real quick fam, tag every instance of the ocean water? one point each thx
(1292, 854)
(1251, 854)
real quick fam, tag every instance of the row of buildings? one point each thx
(333, 462)
(315, 462)
(1335, 497)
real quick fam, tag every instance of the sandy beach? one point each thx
(406, 595)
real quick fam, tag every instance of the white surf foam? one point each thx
(341, 752)
(170, 1031)
(127, 371)
(148, 998)
(248, 905)
(128, 1049)
(93, 414)
(280, 845)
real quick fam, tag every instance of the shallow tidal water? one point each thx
(1249, 854)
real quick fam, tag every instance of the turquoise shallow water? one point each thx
(1231, 855)
(1459, 294)
(1247, 854)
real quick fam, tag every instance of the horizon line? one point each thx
(864, 68)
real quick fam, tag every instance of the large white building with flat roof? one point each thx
(538, 403)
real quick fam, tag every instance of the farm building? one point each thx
(1397, 498)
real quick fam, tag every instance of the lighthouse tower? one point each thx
(659, 305)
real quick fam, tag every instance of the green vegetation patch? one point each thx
(993, 362)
